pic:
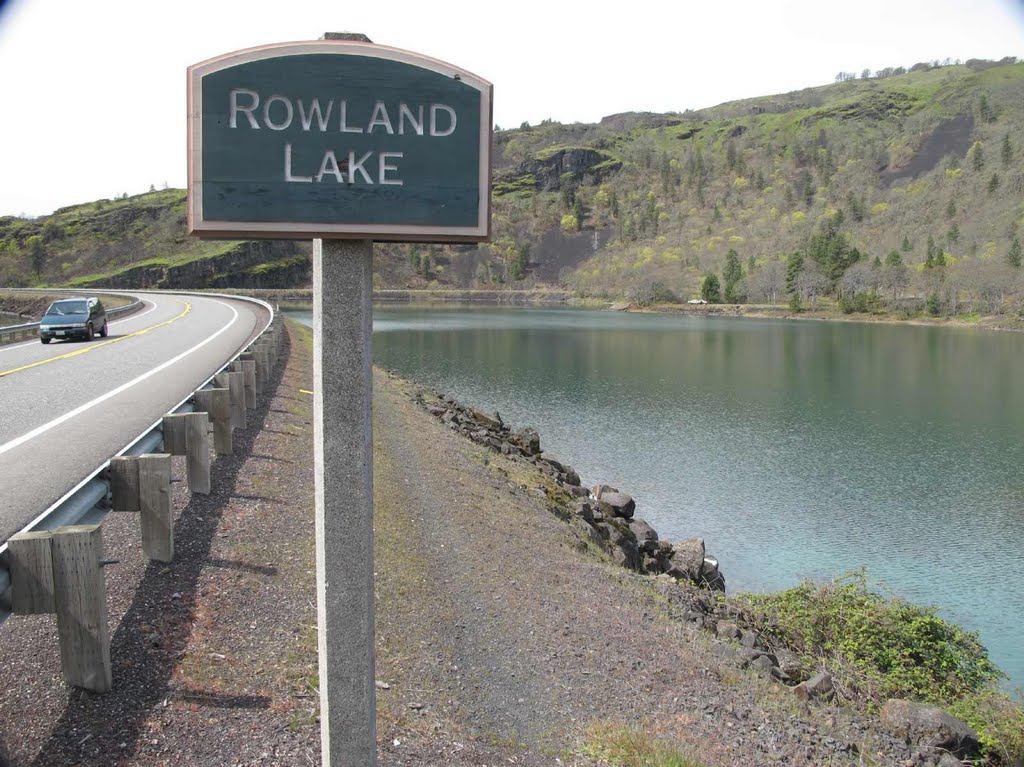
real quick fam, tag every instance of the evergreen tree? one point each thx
(731, 276)
(951, 208)
(711, 289)
(985, 110)
(894, 258)
(954, 233)
(1007, 152)
(993, 183)
(977, 156)
(794, 265)
(751, 265)
(906, 247)
(1013, 257)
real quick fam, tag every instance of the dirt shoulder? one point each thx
(502, 634)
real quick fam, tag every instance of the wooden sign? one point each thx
(338, 139)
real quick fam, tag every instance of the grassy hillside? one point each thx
(903, 192)
(136, 242)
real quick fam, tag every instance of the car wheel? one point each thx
(89, 332)
(103, 333)
(45, 340)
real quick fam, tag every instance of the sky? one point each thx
(93, 93)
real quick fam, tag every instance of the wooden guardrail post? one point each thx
(197, 452)
(247, 368)
(236, 393)
(217, 402)
(81, 605)
(270, 341)
(263, 360)
(250, 356)
(31, 573)
(156, 519)
(235, 383)
(124, 483)
(173, 426)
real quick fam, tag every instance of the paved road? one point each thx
(67, 407)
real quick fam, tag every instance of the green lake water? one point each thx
(795, 449)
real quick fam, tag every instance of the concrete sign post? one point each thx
(343, 142)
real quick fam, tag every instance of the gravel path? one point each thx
(498, 626)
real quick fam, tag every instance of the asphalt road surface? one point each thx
(68, 406)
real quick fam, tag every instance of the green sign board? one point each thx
(338, 139)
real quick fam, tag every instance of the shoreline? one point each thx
(758, 311)
(555, 297)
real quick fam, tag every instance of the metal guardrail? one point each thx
(89, 501)
(12, 333)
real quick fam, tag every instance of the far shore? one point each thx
(553, 297)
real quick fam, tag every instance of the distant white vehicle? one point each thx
(696, 301)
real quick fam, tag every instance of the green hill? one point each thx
(903, 190)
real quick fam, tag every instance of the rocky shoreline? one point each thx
(692, 581)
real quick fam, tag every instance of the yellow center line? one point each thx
(305, 391)
(87, 349)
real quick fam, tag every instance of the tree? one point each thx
(934, 305)
(1007, 151)
(985, 110)
(865, 74)
(951, 208)
(732, 274)
(810, 283)
(906, 247)
(829, 247)
(521, 261)
(36, 253)
(977, 156)
(993, 183)
(711, 289)
(768, 282)
(1013, 257)
(794, 265)
(895, 275)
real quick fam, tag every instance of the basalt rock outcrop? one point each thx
(602, 515)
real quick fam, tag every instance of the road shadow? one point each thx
(94, 729)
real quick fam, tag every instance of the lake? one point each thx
(796, 449)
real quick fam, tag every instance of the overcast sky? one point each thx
(94, 92)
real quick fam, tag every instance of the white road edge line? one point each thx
(113, 392)
(112, 322)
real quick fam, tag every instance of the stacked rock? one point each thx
(605, 515)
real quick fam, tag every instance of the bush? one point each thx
(655, 292)
(861, 303)
(998, 721)
(877, 647)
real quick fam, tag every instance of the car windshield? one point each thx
(68, 307)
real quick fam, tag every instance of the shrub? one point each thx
(624, 746)
(998, 721)
(877, 647)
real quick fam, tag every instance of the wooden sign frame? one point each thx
(207, 227)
